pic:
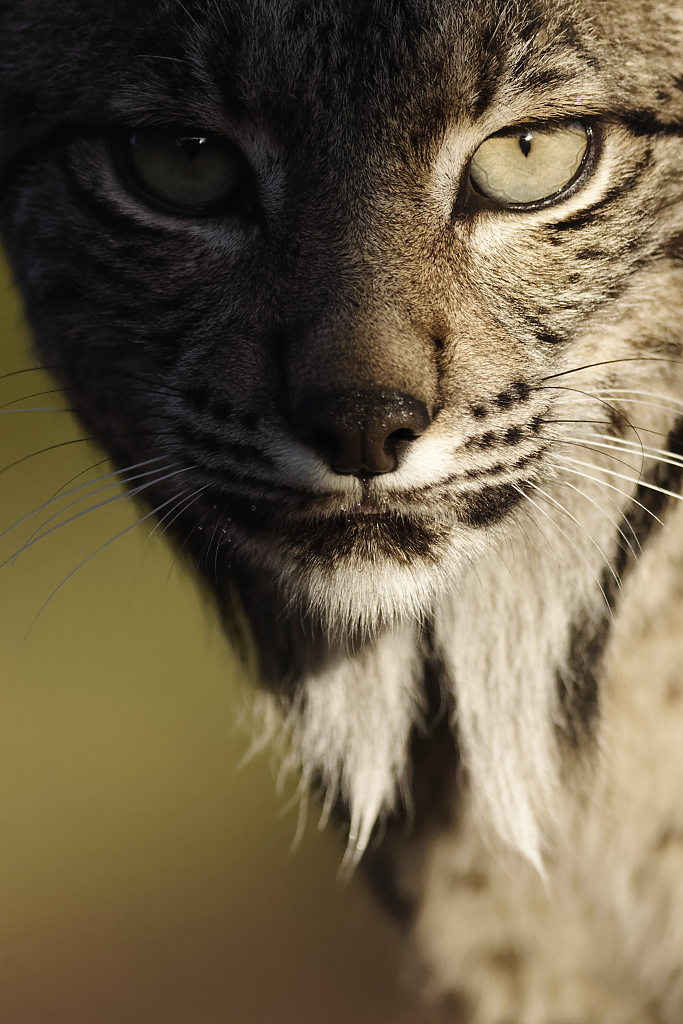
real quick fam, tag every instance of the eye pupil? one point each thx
(192, 146)
(525, 143)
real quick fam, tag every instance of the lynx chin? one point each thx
(379, 307)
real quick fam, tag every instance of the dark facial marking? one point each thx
(550, 338)
(521, 391)
(513, 435)
(490, 504)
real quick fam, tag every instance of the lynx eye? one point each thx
(183, 171)
(528, 167)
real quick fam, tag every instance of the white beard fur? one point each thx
(351, 723)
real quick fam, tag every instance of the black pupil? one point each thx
(191, 146)
(525, 143)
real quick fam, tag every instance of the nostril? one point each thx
(403, 434)
(360, 433)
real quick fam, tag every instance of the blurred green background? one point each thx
(144, 876)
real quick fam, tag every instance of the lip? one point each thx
(365, 507)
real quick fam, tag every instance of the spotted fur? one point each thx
(484, 640)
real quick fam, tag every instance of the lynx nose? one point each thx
(361, 432)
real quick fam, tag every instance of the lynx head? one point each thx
(316, 272)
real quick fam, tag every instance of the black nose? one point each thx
(361, 432)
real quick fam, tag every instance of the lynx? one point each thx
(379, 306)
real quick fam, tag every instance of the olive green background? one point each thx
(144, 875)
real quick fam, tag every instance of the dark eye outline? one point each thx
(594, 139)
(240, 200)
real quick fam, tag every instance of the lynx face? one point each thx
(332, 287)
(377, 307)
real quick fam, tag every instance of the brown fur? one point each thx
(521, 359)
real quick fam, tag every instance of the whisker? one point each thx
(639, 401)
(594, 398)
(76, 476)
(532, 550)
(566, 536)
(632, 391)
(121, 372)
(185, 505)
(573, 518)
(561, 402)
(615, 524)
(37, 535)
(580, 443)
(612, 487)
(26, 369)
(618, 444)
(36, 394)
(19, 412)
(73, 490)
(638, 428)
(102, 547)
(621, 476)
(214, 537)
(42, 451)
(191, 498)
(610, 362)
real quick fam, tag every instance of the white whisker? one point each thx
(623, 444)
(102, 547)
(638, 428)
(588, 445)
(612, 487)
(118, 474)
(573, 518)
(676, 402)
(571, 543)
(186, 500)
(599, 508)
(640, 401)
(621, 476)
(37, 536)
(614, 411)
(85, 497)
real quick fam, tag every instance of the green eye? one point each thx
(183, 171)
(526, 167)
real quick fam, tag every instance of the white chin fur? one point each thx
(351, 723)
(363, 597)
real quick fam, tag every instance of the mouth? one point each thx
(366, 524)
(367, 506)
(470, 506)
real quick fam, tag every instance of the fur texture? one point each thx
(515, 573)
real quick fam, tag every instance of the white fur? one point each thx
(350, 726)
